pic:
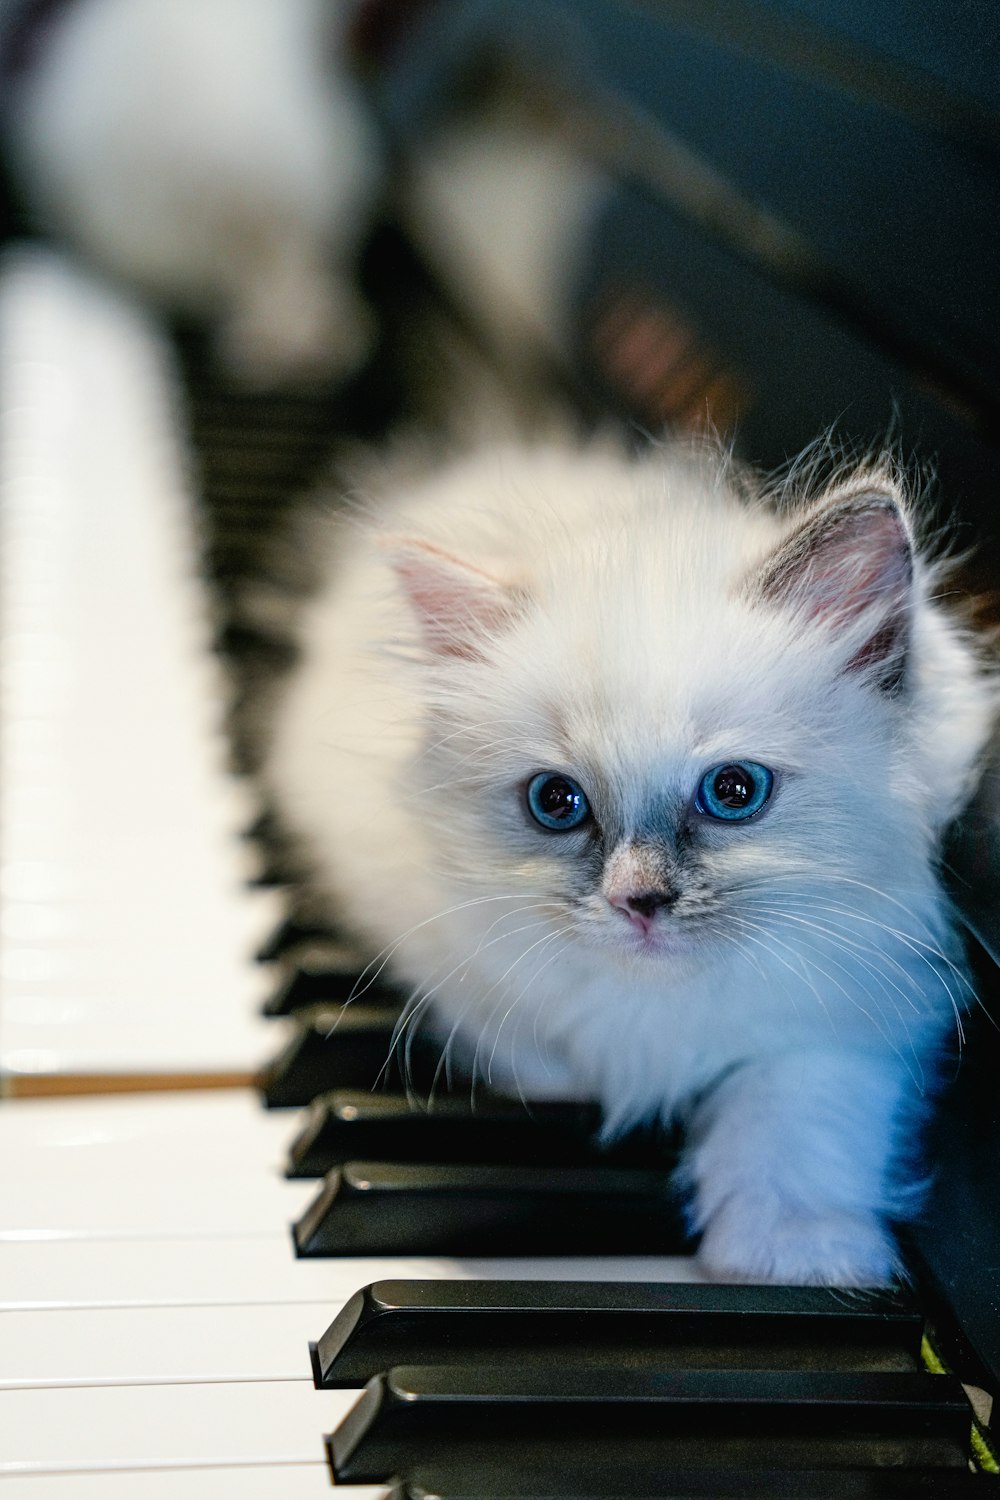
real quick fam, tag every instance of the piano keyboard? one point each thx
(155, 1322)
(126, 953)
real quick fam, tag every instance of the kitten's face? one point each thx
(649, 865)
(664, 815)
(668, 760)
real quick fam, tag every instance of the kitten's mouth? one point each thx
(662, 939)
(655, 941)
(647, 930)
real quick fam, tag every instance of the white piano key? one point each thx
(151, 1205)
(41, 1051)
(159, 1345)
(270, 1482)
(186, 1272)
(132, 821)
(148, 1427)
(154, 1166)
(42, 1274)
(217, 1129)
(260, 911)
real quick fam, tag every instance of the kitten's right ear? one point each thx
(457, 605)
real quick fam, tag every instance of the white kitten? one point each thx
(216, 154)
(639, 786)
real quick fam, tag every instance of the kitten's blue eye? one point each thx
(734, 792)
(556, 802)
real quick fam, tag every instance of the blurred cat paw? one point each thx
(833, 1249)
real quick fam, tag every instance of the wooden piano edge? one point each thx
(53, 1085)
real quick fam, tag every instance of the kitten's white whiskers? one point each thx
(527, 927)
(385, 954)
(845, 937)
(752, 931)
(541, 942)
(421, 998)
(543, 1057)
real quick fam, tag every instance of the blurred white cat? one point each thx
(215, 153)
(637, 779)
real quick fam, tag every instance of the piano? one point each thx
(172, 1319)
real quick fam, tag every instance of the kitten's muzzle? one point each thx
(641, 907)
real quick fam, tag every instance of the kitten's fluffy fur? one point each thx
(216, 154)
(631, 624)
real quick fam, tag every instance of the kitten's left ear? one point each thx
(850, 567)
(457, 605)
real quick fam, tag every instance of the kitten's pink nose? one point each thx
(641, 908)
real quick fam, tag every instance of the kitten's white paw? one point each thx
(833, 1249)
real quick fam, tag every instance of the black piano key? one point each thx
(625, 1325)
(278, 858)
(709, 1484)
(293, 933)
(350, 1047)
(609, 1426)
(271, 874)
(256, 654)
(315, 981)
(352, 1126)
(389, 1208)
(265, 827)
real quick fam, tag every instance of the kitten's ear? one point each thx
(850, 566)
(457, 604)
